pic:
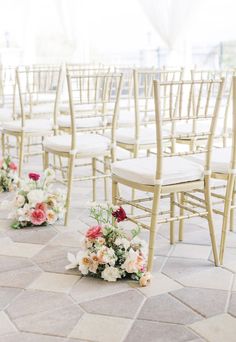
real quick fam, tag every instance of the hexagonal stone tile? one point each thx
(6, 326)
(191, 251)
(143, 331)
(124, 304)
(208, 302)
(176, 268)
(19, 249)
(101, 328)
(54, 282)
(50, 253)
(21, 277)
(28, 337)
(8, 263)
(31, 302)
(58, 322)
(72, 239)
(7, 294)
(165, 308)
(159, 284)
(90, 288)
(32, 235)
(232, 304)
(216, 329)
(214, 278)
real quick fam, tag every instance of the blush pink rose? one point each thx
(38, 217)
(42, 206)
(34, 176)
(12, 166)
(94, 232)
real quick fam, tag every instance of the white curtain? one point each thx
(171, 18)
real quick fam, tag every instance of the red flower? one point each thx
(94, 232)
(42, 206)
(38, 217)
(34, 176)
(120, 214)
(12, 166)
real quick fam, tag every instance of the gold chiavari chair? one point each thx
(224, 169)
(222, 131)
(163, 175)
(82, 144)
(25, 126)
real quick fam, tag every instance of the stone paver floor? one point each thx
(188, 299)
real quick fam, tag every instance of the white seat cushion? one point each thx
(142, 170)
(65, 121)
(32, 125)
(220, 159)
(127, 135)
(65, 108)
(5, 114)
(87, 144)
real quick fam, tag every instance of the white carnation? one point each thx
(111, 273)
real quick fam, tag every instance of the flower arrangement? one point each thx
(36, 203)
(108, 252)
(8, 175)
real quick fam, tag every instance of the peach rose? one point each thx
(143, 281)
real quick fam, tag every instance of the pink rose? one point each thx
(94, 232)
(41, 206)
(34, 176)
(38, 217)
(12, 166)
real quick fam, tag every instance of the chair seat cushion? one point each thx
(65, 121)
(32, 125)
(142, 170)
(87, 144)
(6, 114)
(65, 108)
(127, 135)
(220, 159)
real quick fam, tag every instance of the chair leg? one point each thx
(227, 211)
(46, 160)
(3, 144)
(208, 201)
(21, 154)
(69, 187)
(153, 227)
(94, 165)
(172, 223)
(232, 213)
(106, 172)
(114, 192)
(181, 222)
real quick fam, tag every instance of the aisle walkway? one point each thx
(188, 300)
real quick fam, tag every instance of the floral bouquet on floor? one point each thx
(108, 252)
(8, 175)
(36, 203)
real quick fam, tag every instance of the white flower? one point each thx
(111, 273)
(106, 255)
(49, 175)
(23, 213)
(131, 262)
(140, 244)
(122, 242)
(74, 261)
(19, 200)
(51, 216)
(36, 196)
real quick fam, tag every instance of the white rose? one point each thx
(111, 274)
(19, 201)
(122, 242)
(36, 196)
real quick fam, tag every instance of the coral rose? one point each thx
(94, 232)
(38, 217)
(12, 166)
(119, 214)
(42, 206)
(34, 176)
